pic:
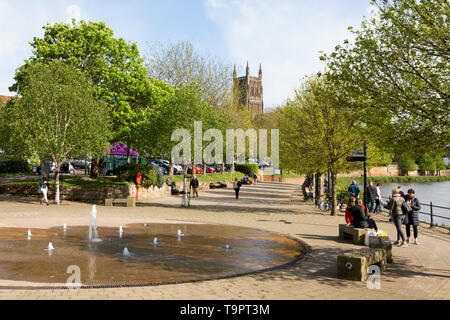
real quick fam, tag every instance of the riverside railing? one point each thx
(431, 213)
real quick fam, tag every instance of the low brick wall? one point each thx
(271, 178)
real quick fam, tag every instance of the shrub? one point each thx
(14, 166)
(247, 168)
(150, 175)
(407, 164)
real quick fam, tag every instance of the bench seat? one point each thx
(130, 202)
(356, 234)
(353, 265)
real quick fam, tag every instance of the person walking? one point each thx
(372, 196)
(396, 208)
(353, 189)
(379, 199)
(43, 187)
(237, 186)
(413, 216)
(255, 178)
(194, 185)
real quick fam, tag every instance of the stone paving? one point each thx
(419, 272)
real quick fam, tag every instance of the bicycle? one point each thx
(324, 202)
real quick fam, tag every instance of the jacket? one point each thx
(396, 204)
(237, 184)
(413, 216)
(359, 218)
(194, 183)
(373, 194)
(43, 183)
(354, 189)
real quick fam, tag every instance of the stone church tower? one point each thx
(248, 91)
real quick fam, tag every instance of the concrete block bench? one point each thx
(353, 265)
(382, 243)
(358, 235)
(130, 202)
(217, 185)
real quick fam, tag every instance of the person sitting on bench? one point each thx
(360, 220)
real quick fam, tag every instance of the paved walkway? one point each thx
(420, 272)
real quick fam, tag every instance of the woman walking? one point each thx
(43, 185)
(237, 186)
(413, 216)
(396, 209)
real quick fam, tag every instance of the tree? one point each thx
(427, 162)
(57, 115)
(318, 131)
(399, 63)
(113, 66)
(406, 164)
(178, 63)
(180, 111)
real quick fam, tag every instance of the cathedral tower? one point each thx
(248, 91)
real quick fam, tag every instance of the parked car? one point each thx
(159, 167)
(198, 170)
(176, 168)
(210, 169)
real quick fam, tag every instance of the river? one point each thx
(436, 192)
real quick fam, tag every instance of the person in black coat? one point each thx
(372, 196)
(360, 220)
(413, 216)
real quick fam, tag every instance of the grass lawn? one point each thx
(16, 174)
(76, 182)
(210, 177)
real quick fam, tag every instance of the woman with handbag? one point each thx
(397, 211)
(413, 216)
(43, 187)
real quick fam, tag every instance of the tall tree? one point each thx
(400, 63)
(113, 65)
(318, 131)
(57, 115)
(179, 63)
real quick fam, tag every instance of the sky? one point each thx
(285, 36)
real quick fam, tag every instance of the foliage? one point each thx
(211, 177)
(427, 162)
(179, 112)
(150, 175)
(178, 63)
(14, 165)
(57, 115)
(406, 164)
(113, 66)
(398, 68)
(247, 168)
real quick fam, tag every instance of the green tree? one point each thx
(399, 64)
(57, 115)
(114, 67)
(406, 164)
(318, 131)
(427, 163)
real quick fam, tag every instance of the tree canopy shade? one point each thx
(57, 115)
(400, 64)
(113, 66)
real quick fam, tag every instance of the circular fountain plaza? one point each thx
(138, 254)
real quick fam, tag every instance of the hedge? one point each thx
(247, 168)
(14, 165)
(150, 175)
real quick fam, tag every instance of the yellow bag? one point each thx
(383, 234)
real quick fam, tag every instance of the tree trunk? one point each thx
(204, 169)
(223, 167)
(94, 169)
(318, 185)
(333, 192)
(171, 169)
(57, 202)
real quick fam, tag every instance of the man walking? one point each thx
(372, 196)
(237, 186)
(194, 185)
(353, 189)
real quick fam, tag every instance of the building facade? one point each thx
(248, 91)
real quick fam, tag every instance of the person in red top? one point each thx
(348, 214)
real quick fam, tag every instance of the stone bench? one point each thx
(382, 243)
(130, 202)
(353, 265)
(358, 235)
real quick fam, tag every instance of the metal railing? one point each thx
(431, 214)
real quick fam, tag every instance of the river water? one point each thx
(436, 192)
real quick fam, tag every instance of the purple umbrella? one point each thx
(121, 150)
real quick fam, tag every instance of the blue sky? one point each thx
(283, 35)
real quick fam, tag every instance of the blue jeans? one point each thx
(371, 205)
(378, 206)
(398, 221)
